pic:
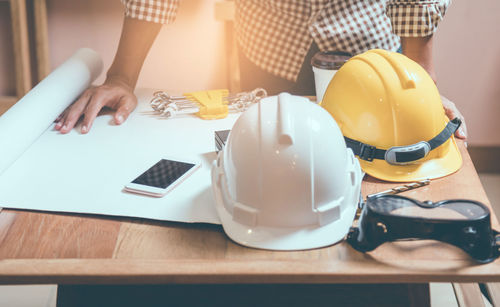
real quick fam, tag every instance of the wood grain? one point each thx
(468, 295)
(223, 271)
(164, 240)
(45, 235)
(41, 38)
(6, 102)
(21, 46)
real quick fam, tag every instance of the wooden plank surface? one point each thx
(468, 295)
(228, 271)
(40, 247)
(6, 102)
(41, 235)
(41, 38)
(21, 46)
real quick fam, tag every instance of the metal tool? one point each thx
(402, 188)
(170, 106)
(393, 191)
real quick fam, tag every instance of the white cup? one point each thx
(322, 78)
(324, 66)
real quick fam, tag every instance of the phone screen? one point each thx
(163, 173)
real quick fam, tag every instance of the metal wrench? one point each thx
(169, 106)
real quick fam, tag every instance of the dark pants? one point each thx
(244, 295)
(253, 77)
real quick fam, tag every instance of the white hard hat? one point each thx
(285, 179)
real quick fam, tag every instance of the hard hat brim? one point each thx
(286, 239)
(430, 169)
(282, 238)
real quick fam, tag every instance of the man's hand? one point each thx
(115, 94)
(451, 111)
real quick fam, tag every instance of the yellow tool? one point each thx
(213, 104)
(391, 115)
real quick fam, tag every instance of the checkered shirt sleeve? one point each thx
(157, 11)
(416, 18)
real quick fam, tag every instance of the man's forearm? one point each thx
(135, 41)
(419, 49)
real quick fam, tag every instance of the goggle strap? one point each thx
(368, 152)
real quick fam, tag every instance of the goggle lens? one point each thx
(444, 210)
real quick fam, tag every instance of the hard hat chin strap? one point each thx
(399, 155)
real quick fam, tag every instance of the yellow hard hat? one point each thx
(391, 115)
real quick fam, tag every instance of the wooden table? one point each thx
(38, 247)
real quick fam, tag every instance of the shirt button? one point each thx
(302, 51)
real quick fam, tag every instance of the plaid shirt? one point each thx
(277, 34)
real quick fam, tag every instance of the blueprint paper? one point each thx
(41, 169)
(86, 173)
(23, 123)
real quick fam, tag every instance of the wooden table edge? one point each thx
(140, 271)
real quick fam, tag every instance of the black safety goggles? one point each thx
(463, 223)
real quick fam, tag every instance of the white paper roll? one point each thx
(24, 122)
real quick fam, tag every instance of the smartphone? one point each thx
(162, 177)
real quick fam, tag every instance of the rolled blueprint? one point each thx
(24, 122)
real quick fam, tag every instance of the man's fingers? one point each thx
(126, 106)
(452, 112)
(449, 108)
(116, 96)
(74, 112)
(59, 122)
(461, 133)
(60, 119)
(93, 108)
